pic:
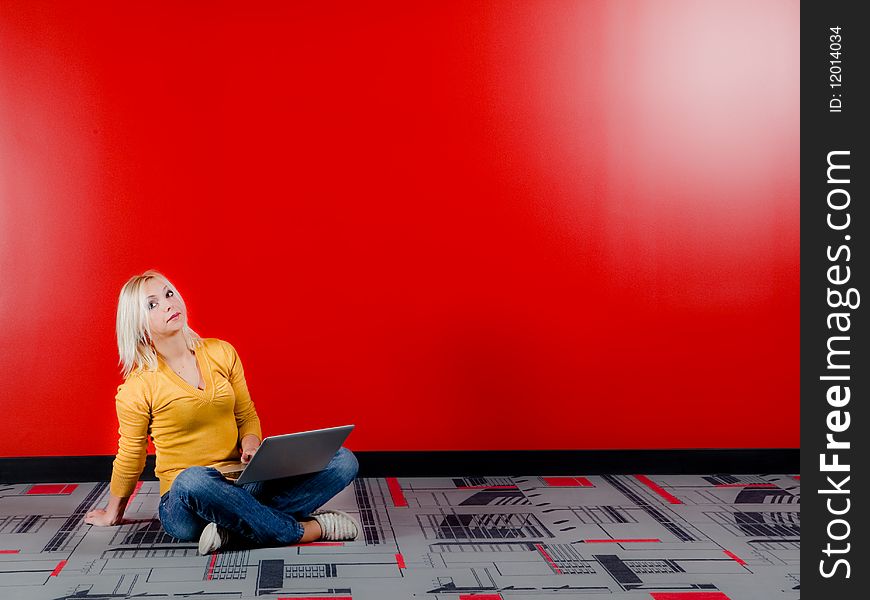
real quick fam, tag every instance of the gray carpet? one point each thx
(660, 537)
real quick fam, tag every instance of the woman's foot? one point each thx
(335, 525)
(311, 531)
(213, 538)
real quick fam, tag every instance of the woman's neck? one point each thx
(173, 349)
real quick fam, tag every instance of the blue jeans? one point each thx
(262, 513)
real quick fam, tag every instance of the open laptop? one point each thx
(290, 454)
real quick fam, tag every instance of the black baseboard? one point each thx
(50, 469)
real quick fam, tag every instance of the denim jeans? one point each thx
(262, 513)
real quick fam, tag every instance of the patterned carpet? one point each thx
(660, 537)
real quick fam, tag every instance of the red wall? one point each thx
(460, 225)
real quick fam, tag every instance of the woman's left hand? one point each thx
(247, 455)
(249, 448)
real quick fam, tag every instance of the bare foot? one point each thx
(312, 531)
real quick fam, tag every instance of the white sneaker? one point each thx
(212, 538)
(336, 525)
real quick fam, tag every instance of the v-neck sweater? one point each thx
(189, 426)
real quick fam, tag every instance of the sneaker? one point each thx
(336, 525)
(212, 538)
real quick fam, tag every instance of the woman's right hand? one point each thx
(102, 518)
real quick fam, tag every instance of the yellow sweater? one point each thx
(189, 426)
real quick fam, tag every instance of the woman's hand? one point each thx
(113, 514)
(248, 454)
(103, 518)
(249, 448)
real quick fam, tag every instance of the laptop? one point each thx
(290, 454)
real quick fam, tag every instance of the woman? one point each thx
(189, 394)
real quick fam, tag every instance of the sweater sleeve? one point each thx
(134, 420)
(246, 415)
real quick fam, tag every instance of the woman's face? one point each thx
(162, 305)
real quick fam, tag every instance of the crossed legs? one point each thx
(265, 513)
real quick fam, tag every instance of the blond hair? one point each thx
(135, 346)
